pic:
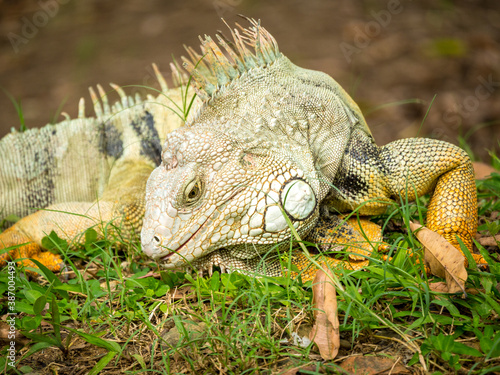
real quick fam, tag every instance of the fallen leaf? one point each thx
(7, 335)
(113, 285)
(439, 287)
(4, 331)
(370, 365)
(325, 331)
(443, 259)
(490, 240)
(482, 170)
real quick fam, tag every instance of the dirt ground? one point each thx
(382, 52)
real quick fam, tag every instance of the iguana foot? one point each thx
(360, 236)
(24, 249)
(333, 233)
(451, 238)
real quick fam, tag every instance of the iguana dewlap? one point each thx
(276, 145)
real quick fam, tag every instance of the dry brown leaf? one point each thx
(325, 331)
(481, 170)
(113, 285)
(439, 287)
(443, 259)
(369, 365)
(4, 331)
(490, 240)
(7, 336)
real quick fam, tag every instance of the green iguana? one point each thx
(272, 146)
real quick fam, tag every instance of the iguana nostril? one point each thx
(156, 239)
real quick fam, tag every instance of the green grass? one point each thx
(18, 107)
(118, 313)
(115, 316)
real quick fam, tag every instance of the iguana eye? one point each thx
(192, 193)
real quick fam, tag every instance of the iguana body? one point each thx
(273, 145)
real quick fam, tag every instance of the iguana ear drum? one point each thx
(298, 199)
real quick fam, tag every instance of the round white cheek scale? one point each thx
(298, 200)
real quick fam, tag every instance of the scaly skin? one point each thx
(275, 143)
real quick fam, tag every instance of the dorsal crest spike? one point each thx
(96, 103)
(258, 49)
(81, 108)
(224, 60)
(195, 56)
(203, 88)
(121, 93)
(160, 78)
(179, 76)
(229, 49)
(104, 100)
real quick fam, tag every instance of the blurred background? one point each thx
(428, 68)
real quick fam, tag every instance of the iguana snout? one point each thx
(209, 194)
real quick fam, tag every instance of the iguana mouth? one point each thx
(221, 207)
(172, 252)
(168, 255)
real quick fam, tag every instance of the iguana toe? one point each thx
(23, 249)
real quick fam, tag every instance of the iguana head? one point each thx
(210, 193)
(256, 159)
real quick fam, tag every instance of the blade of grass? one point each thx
(103, 362)
(19, 109)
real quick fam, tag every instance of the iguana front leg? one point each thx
(418, 166)
(357, 236)
(122, 206)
